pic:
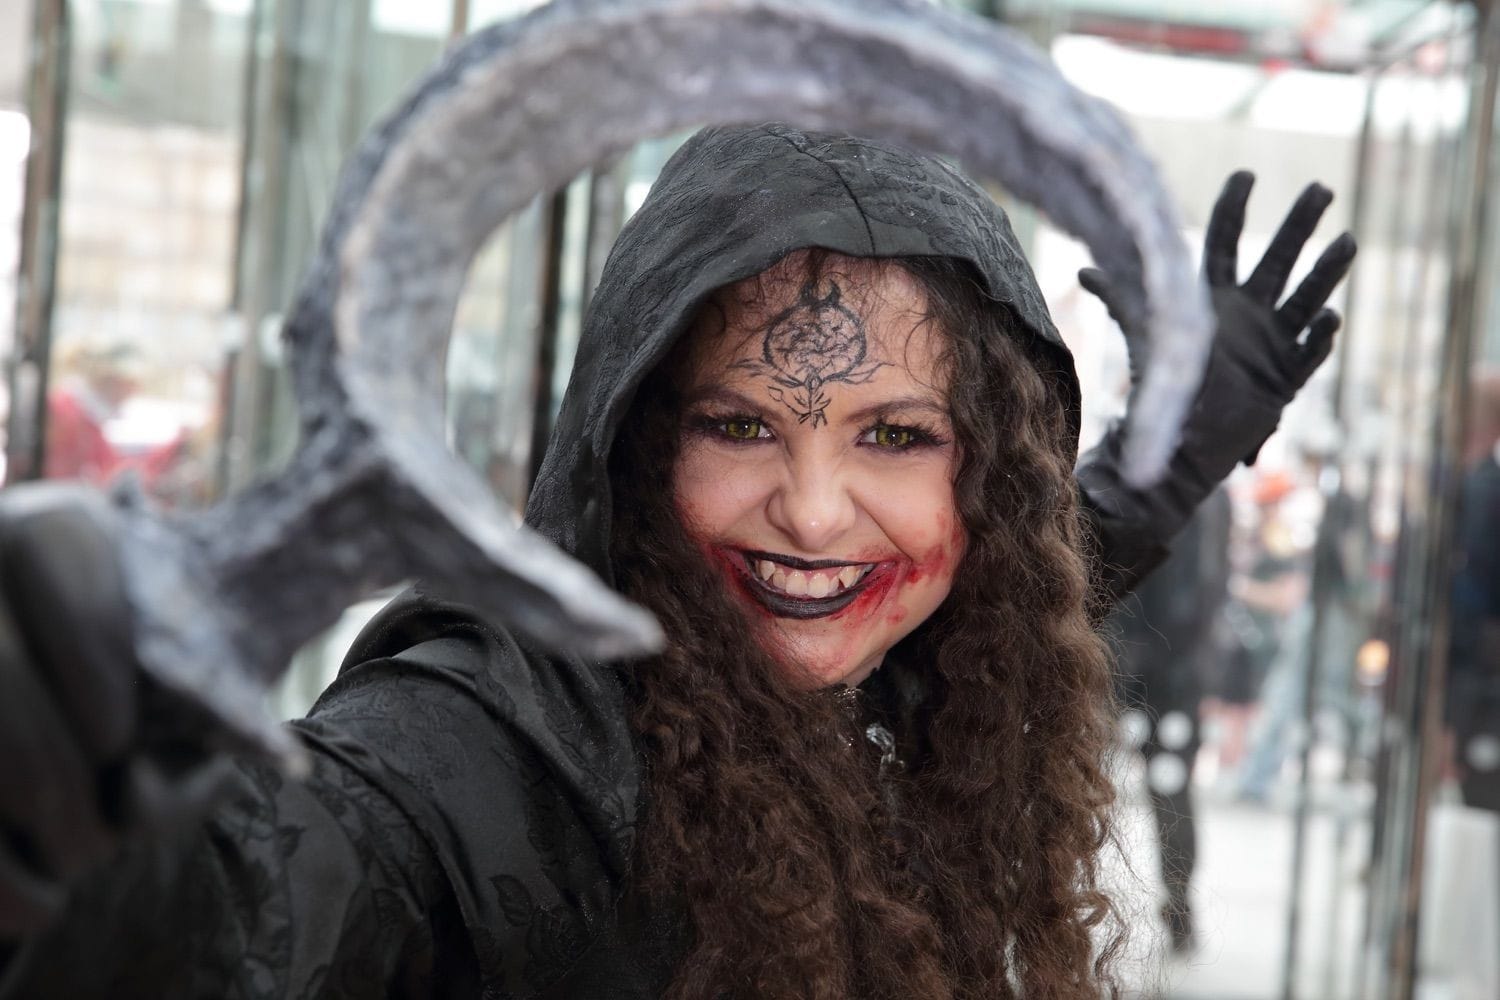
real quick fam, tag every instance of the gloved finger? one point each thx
(1268, 279)
(1096, 281)
(28, 902)
(1099, 284)
(1318, 343)
(1320, 282)
(1254, 453)
(60, 573)
(161, 796)
(48, 793)
(1221, 245)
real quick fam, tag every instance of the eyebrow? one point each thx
(928, 404)
(730, 397)
(723, 394)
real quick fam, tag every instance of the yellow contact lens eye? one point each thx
(742, 430)
(892, 437)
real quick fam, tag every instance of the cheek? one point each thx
(940, 560)
(933, 537)
(917, 513)
(709, 503)
(918, 518)
(710, 491)
(929, 578)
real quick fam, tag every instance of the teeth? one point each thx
(816, 584)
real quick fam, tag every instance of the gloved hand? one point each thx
(1259, 359)
(90, 753)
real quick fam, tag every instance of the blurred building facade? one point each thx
(165, 166)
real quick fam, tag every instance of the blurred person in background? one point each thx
(92, 386)
(1471, 707)
(1275, 593)
(1473, 702)
(1164, 642)
(4, 430)
(187, 470)
(1231, 682)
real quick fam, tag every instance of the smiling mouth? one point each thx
(799, 588)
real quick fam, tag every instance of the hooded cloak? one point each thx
(469, 822)
(728, 205)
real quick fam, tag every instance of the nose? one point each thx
(814, 506)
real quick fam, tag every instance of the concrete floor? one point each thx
(1242, 897)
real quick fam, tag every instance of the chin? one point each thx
(810, 667)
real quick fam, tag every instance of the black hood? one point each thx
(729, 204)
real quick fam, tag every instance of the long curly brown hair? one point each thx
(804, 868)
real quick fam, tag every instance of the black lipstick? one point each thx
(784, 605)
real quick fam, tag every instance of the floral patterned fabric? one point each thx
(464, 832)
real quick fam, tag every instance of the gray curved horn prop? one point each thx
(373, 496)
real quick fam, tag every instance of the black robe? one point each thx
(468, 825)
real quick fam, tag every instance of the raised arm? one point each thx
(1265, 349)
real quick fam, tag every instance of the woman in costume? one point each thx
(821, 425)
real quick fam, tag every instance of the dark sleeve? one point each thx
(1477, 537)
(1217, 517)
(1476, 576)
(466, 829)
(1122, 552)
(1202, 587)
(317, 887)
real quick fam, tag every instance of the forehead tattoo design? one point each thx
(814, 342)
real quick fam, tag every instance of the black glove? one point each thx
(90, 753)
(1259, 360)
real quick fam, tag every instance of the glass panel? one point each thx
(15, 138)
(1416, 199)
(1458, 946)
(1253, 756)
(146, 244)
(323, 74)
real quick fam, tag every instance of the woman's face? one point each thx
(817, 460)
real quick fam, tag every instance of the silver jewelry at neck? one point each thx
(851, 699)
